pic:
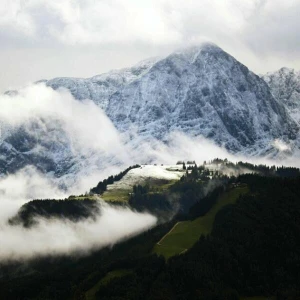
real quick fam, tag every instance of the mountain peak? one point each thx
(286, 70)
(202, 90)
(285, 87)
(199, 47)
(282, 72)
(191, 53)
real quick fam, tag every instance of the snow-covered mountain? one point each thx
(203, 91)
(200, 91)
(285, 87)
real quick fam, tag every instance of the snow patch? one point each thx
(145, 173)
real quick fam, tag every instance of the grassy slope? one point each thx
(90, 294)
(90, 197)
(184, 234)
(156, 185)
(111, 195)
(116, 195)
(159, 178)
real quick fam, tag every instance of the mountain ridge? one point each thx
(192, 79)
(100, 87)
(285, 86)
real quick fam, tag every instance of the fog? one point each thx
(16, 189)
(83, 38)
(80, 131)
(58, 236)
(52, 237)
(85, 124)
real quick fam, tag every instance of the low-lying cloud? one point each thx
(60, 237)
(281, 145)
(42, 105)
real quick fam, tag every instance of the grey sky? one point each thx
(44, 39)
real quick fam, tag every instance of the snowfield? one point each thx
(145, 173)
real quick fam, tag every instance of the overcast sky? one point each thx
(50, 38)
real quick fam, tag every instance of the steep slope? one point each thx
(37, 146)
(56, 134)
(100, 87)
(285, 87)
(48, 147)
(203, 91)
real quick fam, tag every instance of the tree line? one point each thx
(102, 185)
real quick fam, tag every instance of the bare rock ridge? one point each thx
(285, 87)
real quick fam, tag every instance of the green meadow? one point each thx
(184, 234)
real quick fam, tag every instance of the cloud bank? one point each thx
(58, 237)
(84, 38)
(41, 104)
(153, 21)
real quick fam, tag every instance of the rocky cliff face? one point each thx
(285, 87)
(100, 87)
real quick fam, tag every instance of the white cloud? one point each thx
(150, 21)
(116, 21)
(273, 28)
(15, 16)
(17, 189)
(52, 237)
(77, 38)
(281, 145)
(49, 108)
